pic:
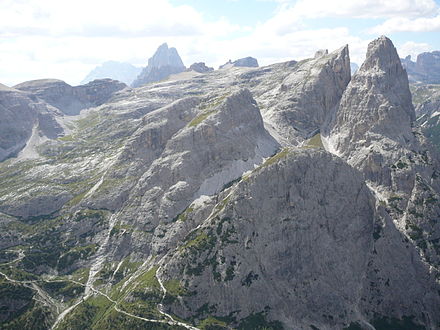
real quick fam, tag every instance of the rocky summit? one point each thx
(165, 62)
(290, 196)
(249, 62)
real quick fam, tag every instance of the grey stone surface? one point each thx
(200, 67)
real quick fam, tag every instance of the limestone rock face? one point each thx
(201, 157)
(374, 132)
(430, 105)
(71, 100)
(55, 92)
(302, 97)
(288, 237)
(17, 119)
(165, 62)
(426, 69)
(200, 67)
(377, 102)
(99, 91)
(22, 115)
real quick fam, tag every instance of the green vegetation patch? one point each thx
(315, 142)
(87, 314)
(64, 289)
(276, 158)
(391, 323)
(174, 288)
(184, 215)
(201, 242)
(115, 320)
(17, 274)
(35, 317)
(200, 118)
(212, 323)
(75, 254)
(258, 321)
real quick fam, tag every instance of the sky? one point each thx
(66, 39)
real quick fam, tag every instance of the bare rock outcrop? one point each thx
(71, 100)
(426, 69)
(291, 242)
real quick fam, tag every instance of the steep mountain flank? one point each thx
(286, 243)
(23, 115)
(298, 99)
(71, 100)
(374, 131)
(165, 62)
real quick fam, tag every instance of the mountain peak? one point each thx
(376, 104)
(382, 55)
(165, 62)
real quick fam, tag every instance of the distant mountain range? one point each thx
(124, 72)
(425, 69)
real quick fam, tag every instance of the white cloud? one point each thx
(65, 39)
(413, 48)
(402, 24)
(104, 18)
(359, 9)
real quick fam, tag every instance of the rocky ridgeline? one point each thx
(426, 69)
(32, 111)
(68, 99)
(245, 62)
(288, 196)
(200, 67)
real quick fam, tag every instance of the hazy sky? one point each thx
(66, 39)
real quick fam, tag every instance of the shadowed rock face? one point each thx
(165, 62)
(426, 69)
(20, 114)
(288, 237)
(71, 100)
(200, 67)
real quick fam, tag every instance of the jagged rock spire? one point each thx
(377, 102)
